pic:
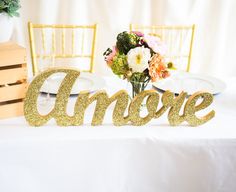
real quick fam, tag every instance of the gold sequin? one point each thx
(191, 108)
(103, 101)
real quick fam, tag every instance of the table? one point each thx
(151, 158)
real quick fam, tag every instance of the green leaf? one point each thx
(126, 41)
(120, 65)
(10, 7)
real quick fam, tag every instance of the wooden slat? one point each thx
(11, 110)
(12, 75)
(13, 92)
(11, 54)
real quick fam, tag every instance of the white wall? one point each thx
(214, 44)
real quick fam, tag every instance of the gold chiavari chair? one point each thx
(62, 43)
(178, 39)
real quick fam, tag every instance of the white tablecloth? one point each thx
(151, 158)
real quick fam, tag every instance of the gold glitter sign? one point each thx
(195, 103)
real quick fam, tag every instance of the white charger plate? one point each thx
(190, 83)
(86, 81)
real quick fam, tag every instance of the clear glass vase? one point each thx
(138, 87)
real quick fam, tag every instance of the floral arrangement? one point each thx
(137, 58)
(10, 7)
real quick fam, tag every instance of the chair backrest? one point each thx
(70, 43)
(178, 39)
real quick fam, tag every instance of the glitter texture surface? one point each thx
(103, 101)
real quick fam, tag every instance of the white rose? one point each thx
(138, 59)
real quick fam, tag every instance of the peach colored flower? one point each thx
(157, 68)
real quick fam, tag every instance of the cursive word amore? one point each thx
(84, 99)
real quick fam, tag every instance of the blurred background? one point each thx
(214, 44)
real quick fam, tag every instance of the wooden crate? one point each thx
(13, 79)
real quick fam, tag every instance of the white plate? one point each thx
(190, 83)
(86, 81)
